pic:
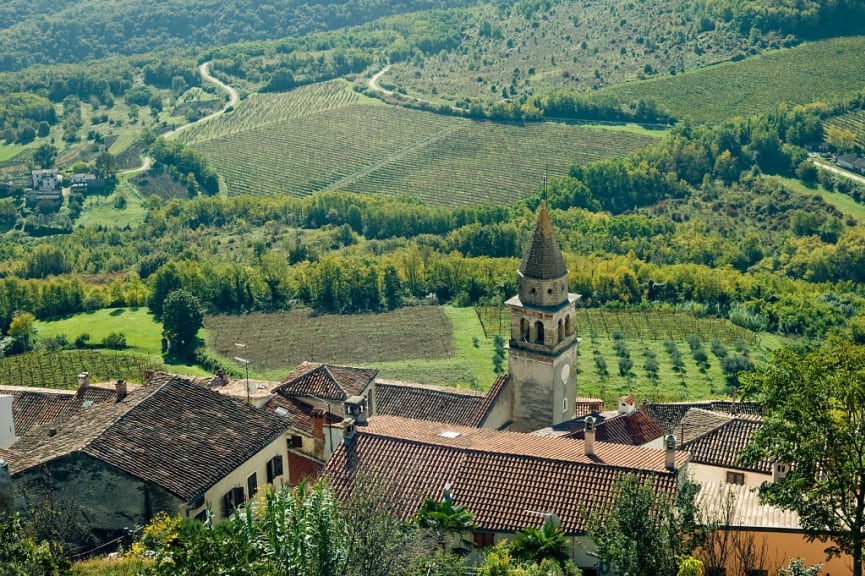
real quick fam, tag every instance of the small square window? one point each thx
(484, 539)
(735, 477)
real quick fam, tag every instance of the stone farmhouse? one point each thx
(114, 458)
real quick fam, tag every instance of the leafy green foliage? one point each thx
(182, 318)
(22, 555)
(815, 425)
(643, 533)
(534, 545)
(292, 532)
(449, 522)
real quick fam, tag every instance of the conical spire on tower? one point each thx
(543, 259)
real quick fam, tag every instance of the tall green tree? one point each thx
(22, 555)
(645, 534)
(182, 318)
(815, 423)
(22, 331)
(45, 155)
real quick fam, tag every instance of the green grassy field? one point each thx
(143, 334)
(828, 70)
(102, 210)
(842, 202)
(327, 137)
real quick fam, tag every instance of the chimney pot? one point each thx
(318, 423)
(670, 452)
(348, 430)
(589, 436)
(121, 388)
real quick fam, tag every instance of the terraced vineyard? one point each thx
(19, 159)
(60, 369)
(826, 71)
(854, 121)
(326, 137)
(263, 110)
(486, 162)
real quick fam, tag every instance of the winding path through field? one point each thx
(823, 165)
(372, 84)
(204, 70)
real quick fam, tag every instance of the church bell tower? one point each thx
(542, 351)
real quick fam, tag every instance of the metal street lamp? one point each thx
(244, 362)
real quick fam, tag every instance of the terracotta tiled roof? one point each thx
(543, 258)
(171, 432)
(450, 405)
(722, 446)
(300, 413)
(34, 407)
(697, 422)
(501, 477)
(326, 381)
(670, 414)
(435, 403)
(634, 430)
(747, 511)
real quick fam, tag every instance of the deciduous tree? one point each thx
(182, 317)
(815, 423)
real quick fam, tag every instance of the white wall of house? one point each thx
(239, 476)
(656, 443)
(703, 474)
(502, 412)
(7, 424)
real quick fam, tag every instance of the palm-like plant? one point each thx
(451, 523)
(534, 545)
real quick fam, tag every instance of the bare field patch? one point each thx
(284, 339)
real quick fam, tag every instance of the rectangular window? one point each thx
(231, 500)
(252, 484)
(735, 477)
(295, 441)
(274, 468)
(484, 539)
(716, 571)
(757, 572)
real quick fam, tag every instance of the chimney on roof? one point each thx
(779, 470)
(349, 427)
(148, 374)
(318, 423)
(83, 382)
(626, 405)
(670, 452)
(5, 489)
(121, 388)
(355, 407)
(219, 377)
(589, 436)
